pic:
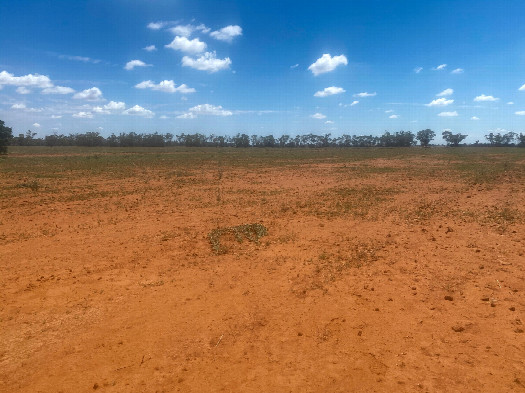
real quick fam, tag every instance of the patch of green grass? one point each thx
(251, 232)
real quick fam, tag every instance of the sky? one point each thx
(273, 67)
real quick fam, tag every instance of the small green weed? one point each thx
(252, 232)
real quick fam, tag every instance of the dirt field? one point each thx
(388, 270)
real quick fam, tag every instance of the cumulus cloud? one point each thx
(188, 115)
(318, 115)
(188, 46)
(112, 106)
(58, 90)
(329, 122)
(137, 110)
(440, 67)
(520, 113)
(227, 33)
(510, 103)
(522, 88)
(474, 118)
(83, 115)
(150, 48)
(446, 92)
(329, 91)
(135, 63)
(327, 63)
(417, 70)
(483, 98)
(56, 116)
(188, 30)
(440, 102)
(458, 71)
(365, 94)
(448, 114)
(393, 117)
(166, 86)
(36, 125)
(93, 94)
(212, 110)
(156, 25)
(18, 106)
(29, 80)
(207, 62)
(354, 103)
(23, 90)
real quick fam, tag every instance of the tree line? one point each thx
(132, 139)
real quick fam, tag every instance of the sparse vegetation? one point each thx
(251, 232)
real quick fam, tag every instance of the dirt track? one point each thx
(376, 276)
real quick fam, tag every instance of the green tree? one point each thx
(425, 136)
(452, 139)
(6, 134)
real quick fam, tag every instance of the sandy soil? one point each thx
(373, 278)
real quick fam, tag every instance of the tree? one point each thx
(425, 136)
(6, 134)
(501, 140)
(453, 139)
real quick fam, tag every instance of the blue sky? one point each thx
(272, 67)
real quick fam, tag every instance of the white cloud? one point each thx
(18, 106)
(188, 46)
(115, 106)
(150, 48)
(294, 66)
(522, 88)
(318, 115)
(80, 58)
(187, 30)
(207, 109)
(446, 92)
(483, 98)
(56, 116)
(440, 67)
(23, 90)
(510, 103)
(137, 110)
(83, 115)
(227, 33)
(474, 118)
(188, 115)
(99, 109)
(448, 114)
(112, 106)
(440, 102)
(327, 63)
(354, 103)
(135, 63)
(93, 94)
(166, 86)
(389, 111)
(365, 94)
(36, 125)
(207, 62)
(329, 122)
(156, 25)
(520, 113)
(417, 70)
(58, 90)
(329, 91)
(393, 117)
(163, 117)
(458, 71)
(28, 80)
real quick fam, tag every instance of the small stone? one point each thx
(359, 333)
(95, 386)
(458, 328)
(485, 299)
(299, 334)
(512, 308)
(518, 330)
(449, 298)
